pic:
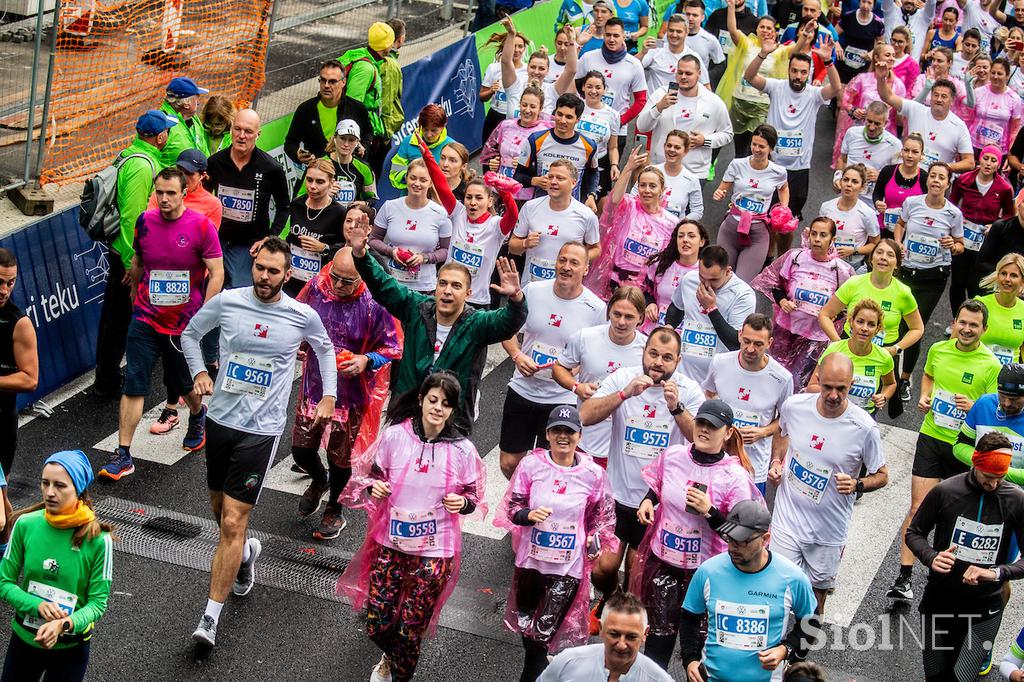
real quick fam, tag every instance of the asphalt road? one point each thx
(288, 628)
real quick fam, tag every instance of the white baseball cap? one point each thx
(347, 127)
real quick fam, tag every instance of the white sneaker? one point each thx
(382, 671)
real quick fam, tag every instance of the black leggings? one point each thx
(337, 477)
(926, 284)
(25, 662)
(535, 660)
(963, 282)
(798, 188)
(659, 649)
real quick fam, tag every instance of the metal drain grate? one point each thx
(190, 541)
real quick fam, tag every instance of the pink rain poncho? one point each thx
(798, 339)
(582, 509)
(359, 325)
(506, 142)
(412, 519)
(630, 236)
(677, 537)
(661, 287)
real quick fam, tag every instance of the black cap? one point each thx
(746, 519)
(715, 412)
(191, 161)
(567, 416)
(1011, 379)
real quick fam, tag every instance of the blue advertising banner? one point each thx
(451, 78)
(61, 277)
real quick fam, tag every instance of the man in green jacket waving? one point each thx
(441, 331)
(139, 164)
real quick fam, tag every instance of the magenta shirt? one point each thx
(171, 288)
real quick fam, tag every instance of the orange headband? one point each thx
(993, 462)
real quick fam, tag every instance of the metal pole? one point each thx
(470, 11)
(49, 91)
(446, 10)
(32, 91)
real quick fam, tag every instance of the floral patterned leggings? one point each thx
(404, 591)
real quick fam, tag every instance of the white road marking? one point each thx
(496, 485)
(162, 449)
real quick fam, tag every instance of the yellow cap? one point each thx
(380, 36)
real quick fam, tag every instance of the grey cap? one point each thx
(715, 412)
(1011, 379)
(567, 416)
(746, 519)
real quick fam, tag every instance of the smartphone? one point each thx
(641, 140)
(703, 487)
(673, 87)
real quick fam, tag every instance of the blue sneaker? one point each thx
(195, 435)
(119, 465)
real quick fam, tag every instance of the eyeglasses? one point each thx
(328, 81)
(347, 281)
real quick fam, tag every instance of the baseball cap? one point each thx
(154, 122)
(380, 36)
(567, 416)
(191, 161)
(182, 86)
(715, 412)
(347, 127)
(745, 520)
(1011, 379)
(602, 3)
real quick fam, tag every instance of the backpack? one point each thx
(100, 216)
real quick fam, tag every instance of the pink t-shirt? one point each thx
(173, 269)
(995, 116)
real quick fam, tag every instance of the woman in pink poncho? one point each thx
(692, 489)
(560, 512)
(633, 228)
(416, 482)
(666, 269)
(801, 282)
(501, 151)
(861, 91)
(904, 66)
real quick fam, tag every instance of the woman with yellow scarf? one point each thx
(748, 106)
(56, 575)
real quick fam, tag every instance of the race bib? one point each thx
(544, 355)
(402, 273)
(741, 626)
(855, 57)
(413, 531)
(791, 143)
(879, 338)
(811, 296)
(991, 133)
(844, 239)
(346, 192)
(808, 479)
(169, 287)
(65, 600)
(890, 217)
(500, 98)
(976, 543)
(470, 255)
(249, 374)
(593, 129)
(945, 413)
(1005, 355)
(750, 204)
(679, 545)
(922, 250)
(542, 269)
(646, 438)
(745, 417)
(725, 40)
(930, 157)
(862, 390)
(636, 251)
(974, 235)
(699, 339)
(553, 542)
(237, 204)
(305, 263)
(608, 97)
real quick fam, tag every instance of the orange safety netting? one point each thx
(114, 62)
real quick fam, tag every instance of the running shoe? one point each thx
(206, 633)
(904, 391)
(986, 666)
(168, 420)
(119, 465)
(382, 671)
(310, 500)
(246, 577)
(900, 589)
(331, 524)
(195, 436)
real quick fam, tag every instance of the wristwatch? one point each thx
(66, 625)
(677, 410)
(859, 488)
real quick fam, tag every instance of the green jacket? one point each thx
(363, 83)
(134, 185)
(42, 554)
(182, 136)
(391, 98)
(465, 350)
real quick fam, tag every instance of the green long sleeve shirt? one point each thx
(134, 185)
(391, 111)
(43, 555)
(188, 134)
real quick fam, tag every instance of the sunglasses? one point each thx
(347, 281)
